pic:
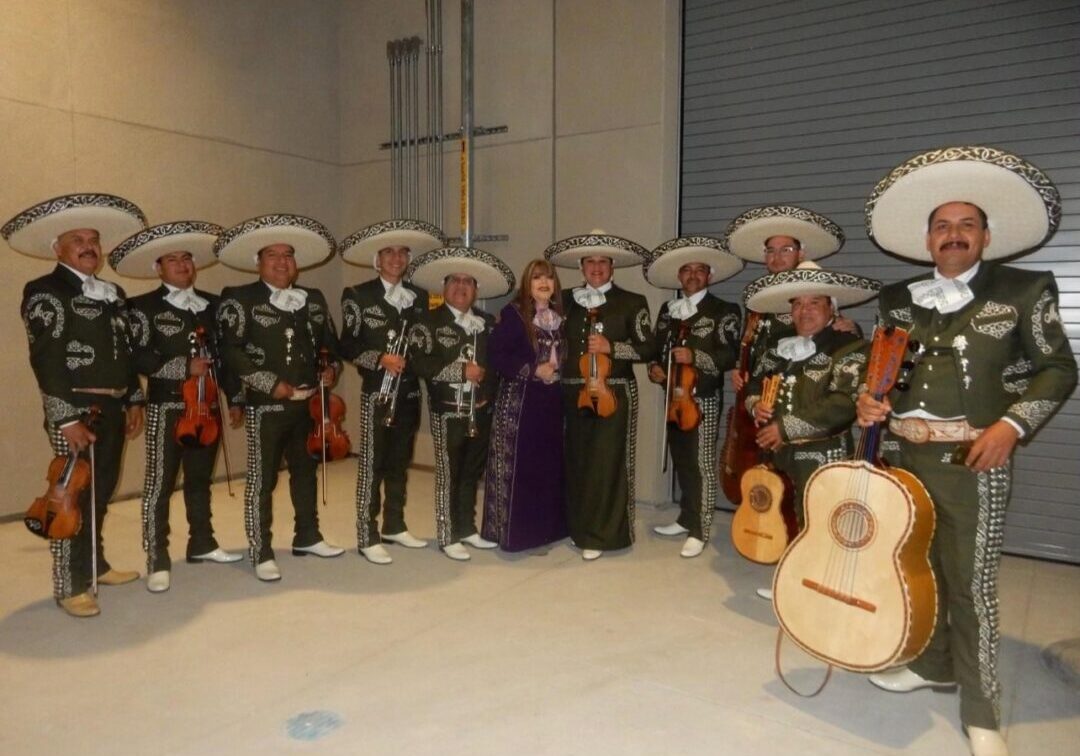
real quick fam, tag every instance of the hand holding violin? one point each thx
(598, 344)
(78, 436)
(199, 366)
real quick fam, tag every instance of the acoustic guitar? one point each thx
(855, 588)
(764, 523)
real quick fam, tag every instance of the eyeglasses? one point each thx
(788, 250)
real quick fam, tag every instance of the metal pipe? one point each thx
(395, 203)
(417, 44)
(466, 121)
(406, 118)
(429, 113)
(402, 189)
(439, 128)
(393, 123)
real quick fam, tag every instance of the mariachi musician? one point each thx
(819, 370)
(272, 332)
(77, 327)
(376, 316)
(781, 237)
(614, 325)
(698, 331)
(449, 348)
(997, 366)
(165, 327)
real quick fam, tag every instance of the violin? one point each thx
(327, 441)
(682, 406)
(200, 425)
(595, 394)
(57, 515)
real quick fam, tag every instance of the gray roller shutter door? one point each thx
(811, 103)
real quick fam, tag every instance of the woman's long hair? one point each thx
(523, 300)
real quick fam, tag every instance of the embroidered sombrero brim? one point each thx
(239, 247)
(362, 247)
(747, 234)
(429, 270)
(569, 253)
(1022, 206)
(136, 255)
(33, 230)
(662, 267)
(773, 293)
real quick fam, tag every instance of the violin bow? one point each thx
(667, 397)
(222, 402)
(93, 522)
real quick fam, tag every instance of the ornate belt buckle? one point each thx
(917, 430)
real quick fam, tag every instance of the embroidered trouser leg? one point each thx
(459, 465)
(693, 453)
(384, 457)
(164, 458)
(275, 431)
(965, 555)
(72, 557)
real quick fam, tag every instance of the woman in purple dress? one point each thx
(524, 502)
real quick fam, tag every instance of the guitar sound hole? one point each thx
(760, 499)
(852, 525)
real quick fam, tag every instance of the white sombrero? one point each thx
(747, 234)
(569, 253)
(773, 293)
(137, 255)
(362, 247)
(429, 270)
(239, 247)
(1021, 204)
(33, 231)
(662, 266)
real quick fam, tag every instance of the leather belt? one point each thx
(919, 430)
(113, 393)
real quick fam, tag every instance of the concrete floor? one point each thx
(639, 653)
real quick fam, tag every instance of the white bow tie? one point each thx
(186, 299)
(589, 298)
(942, 294)
(470, 323)
(102, 291)
(796, 348)
(400, 297)
(682, 308)
(289, 300)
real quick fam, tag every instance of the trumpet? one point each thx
(396, 345)
(469, 353)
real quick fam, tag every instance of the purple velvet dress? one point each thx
(524, 499)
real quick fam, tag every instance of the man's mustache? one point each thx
(955, 245)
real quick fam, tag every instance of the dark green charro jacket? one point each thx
(262, 345)
(367, 321)
(1004, 355)
(437, 343)
(713, 333)
(76, 342)
(161, 338)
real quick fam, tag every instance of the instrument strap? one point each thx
(780, 672)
